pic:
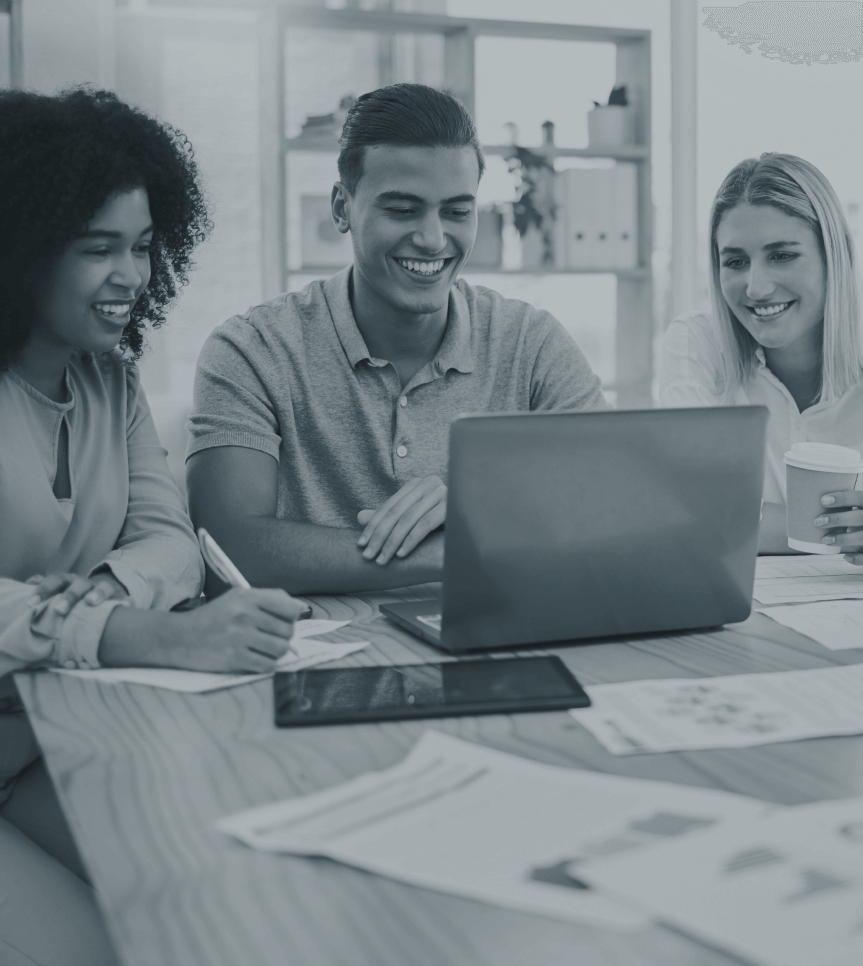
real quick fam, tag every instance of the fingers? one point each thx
(416, 524)
(105, 589)
(849, 540)
(275, 602)
(48, 586)
(855, 556)
(843, 498)
(848, 518)
(387, 513)
(397, 517)
(363, 517)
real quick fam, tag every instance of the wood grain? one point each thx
(144, 773)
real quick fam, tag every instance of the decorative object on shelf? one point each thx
(597, 222)
(487, 251)
(318, 127)
(611, 125)
(535, 206)
(323, 245)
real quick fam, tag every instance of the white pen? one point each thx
(220, 563)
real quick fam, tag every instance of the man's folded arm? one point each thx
(233, 494)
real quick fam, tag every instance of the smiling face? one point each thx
(772, 275)
(413, 223)
(86, 296)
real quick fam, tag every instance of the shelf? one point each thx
(630, 152)
(390, 21)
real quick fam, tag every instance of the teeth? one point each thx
(109, 309)
(771, 310)
(422, 268)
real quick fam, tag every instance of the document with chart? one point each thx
(464, 819)
(835, 624)
(735, 711)
(785, 890)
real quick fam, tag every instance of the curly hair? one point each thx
(61, 158)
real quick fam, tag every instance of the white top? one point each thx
(690, 374)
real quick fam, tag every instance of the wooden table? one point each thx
(143, 774)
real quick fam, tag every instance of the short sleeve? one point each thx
(562, 378)
(690, 361)
(231, 404)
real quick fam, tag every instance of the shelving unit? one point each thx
(634, 329)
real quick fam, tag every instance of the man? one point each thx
(327, 411)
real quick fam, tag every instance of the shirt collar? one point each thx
(454, 351)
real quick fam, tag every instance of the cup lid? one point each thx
(826, 457)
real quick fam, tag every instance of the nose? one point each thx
(759, 284)
(129, 274)
(429, 235)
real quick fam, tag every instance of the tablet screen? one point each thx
(425, 690)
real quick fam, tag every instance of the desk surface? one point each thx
(143, 774)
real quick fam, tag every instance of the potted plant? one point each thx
(611, 125)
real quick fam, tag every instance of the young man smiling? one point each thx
(321, 422)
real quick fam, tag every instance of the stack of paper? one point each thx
(304, 653)
(467, 820)
(786, 890)
(737, 711)
(793, 591)
(807, 577)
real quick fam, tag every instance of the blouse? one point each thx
(690, 374)
(124, 515)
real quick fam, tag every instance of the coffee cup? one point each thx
(811, 471)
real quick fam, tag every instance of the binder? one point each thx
(596, 226)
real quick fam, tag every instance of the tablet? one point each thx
(503, 686)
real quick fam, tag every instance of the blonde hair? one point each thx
(798, 189)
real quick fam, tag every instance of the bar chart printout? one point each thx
(780, 890)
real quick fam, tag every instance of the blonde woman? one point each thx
(784, 331)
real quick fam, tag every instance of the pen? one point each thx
(220, 563)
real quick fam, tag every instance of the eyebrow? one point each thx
(767, 248)
(404, 196)
(102, 233)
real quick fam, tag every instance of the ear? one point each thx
(340, 202)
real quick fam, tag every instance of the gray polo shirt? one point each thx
(293, 378)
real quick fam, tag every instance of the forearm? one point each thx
(772, 538)
(137, 638)
(303, 558)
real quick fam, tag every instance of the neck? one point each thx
(798, 366)
(799, 359)
(392, 334)
(42, 365)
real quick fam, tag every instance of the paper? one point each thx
(807, 577)
(312, 627)
(306, 653)
(786, 890)
(837, 624)
(737, 711)
(467, 820)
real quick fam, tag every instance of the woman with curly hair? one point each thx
(785, 330)
(100, 209)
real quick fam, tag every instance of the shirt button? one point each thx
(69, 665)
(402, 451)
(403, 401)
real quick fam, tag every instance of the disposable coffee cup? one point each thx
(811, 471)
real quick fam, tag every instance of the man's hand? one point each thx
(71, 588)
(843, 525)
(404, 521)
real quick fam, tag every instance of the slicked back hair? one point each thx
(403, 115)
(799, 189)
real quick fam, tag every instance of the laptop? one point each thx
(580, 526)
